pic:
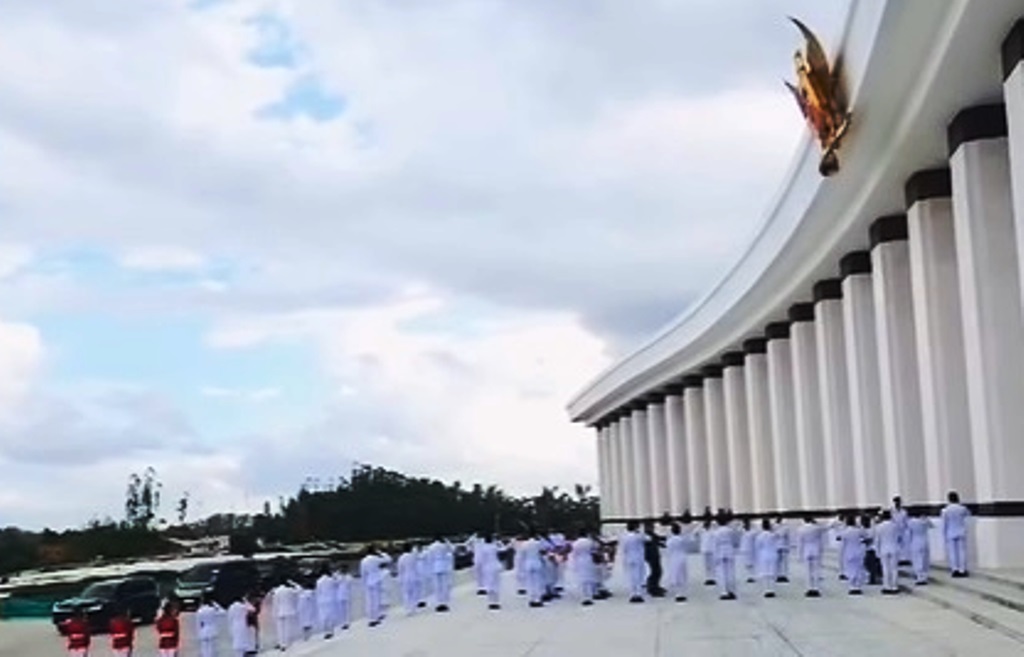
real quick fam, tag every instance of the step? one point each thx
(991, 587)
(991, 615)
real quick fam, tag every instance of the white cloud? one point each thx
(13, 258)
(161, 258)
(254, 395)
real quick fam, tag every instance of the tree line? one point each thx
(370, 503)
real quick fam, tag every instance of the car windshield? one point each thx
(100, 590)
(199, 574)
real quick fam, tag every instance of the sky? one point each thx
(250, 242)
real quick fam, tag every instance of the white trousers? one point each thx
(285, 626)
(478, 575)
(813, 572)
(635, 573)
(535, 584)
(410, 595)
(168, 652)
(443, 588)
(956, 554)
(492, 584)
(709, 566)
(890, 565)
(208, 647)
(782, 569)
(373, 599)
(343, 612)
(727, 574)
(853, 568)
(921, 560)
(678, 575)
(325, 613)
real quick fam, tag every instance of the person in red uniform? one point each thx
(168, 631)
(122, 634)
(77, 630)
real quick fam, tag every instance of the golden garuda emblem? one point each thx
(819, 93)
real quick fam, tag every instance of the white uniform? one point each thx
(584, 568)
(491, 567)
(307, 611)
(747, 552)
(243, 635)
(478, 563)
(920, 553)
(284, 599)
(954, 535)
(518, 566)
(766, 548)
(784, 542)
(726, 540)
(408, 580)
(442, 558)
(425, 570)
(887, 544)
(632, 546)
(325, 603)
(676, 547)
(707, 549)
(900, 517)
(373, 582)
(533, 566)
(560, 545)
(852, 552)
(208, 628)
(343, 598)
(812, 547)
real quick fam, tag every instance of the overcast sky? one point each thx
(251, 241)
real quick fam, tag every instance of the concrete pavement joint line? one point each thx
(973, 616)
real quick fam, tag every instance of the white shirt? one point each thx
(370, 570)
(766, 543)
(726, 538)
(782, 533)
(307, 606)
(918, 528)
(852, 540)
(812, 540)
(632, 545)
(243, 638)
(675, 547)
(887, 537)
(954, 521)
(325, 586)
(747, 541)
(343, 587)
(583, 555)
(707, 539)
(207, 617)
(284, 600)
(408, 568)
(530, 550)
(488, 555)
(441, 557)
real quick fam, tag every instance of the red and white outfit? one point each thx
(168, 632)
(77, 630)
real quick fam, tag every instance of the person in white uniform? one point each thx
(325, 603)
(784, 544)
(518, 565)
(343, 597)
(372, 577)
(853, 541)
(425, 569)
(307, 610)
(677, 548)
(747, 556)
(631, 545)
(918, 526)
(532, 558)
(284, 601)
(726, 540)
(811, 537)
(208, 618)
(584, 568)
(887, 544)
(409, 578)
(706, 534)
(442, 560)
(954, 534)
(766, 549)
(474, 543)
(491, 568)
(241, 616)
(900, 517)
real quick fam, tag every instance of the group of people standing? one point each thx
(871, 547)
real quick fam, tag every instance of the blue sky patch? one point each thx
(277, 45)
(305, 97)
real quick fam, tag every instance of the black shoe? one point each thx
(481, 592)
(587, 603)
(442, 608)
(728, 596)
(842, 577)
(709, 582)
(521, 592)
(904, 562)
(494, 607)
(536, 605)
(635, 599)
(782, 580)
(421, 604)
(769, 594)
(374, 623)
(680, 598)
(750, 580)
(855, 592)
(812, 594)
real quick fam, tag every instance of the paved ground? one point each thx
(790, 625)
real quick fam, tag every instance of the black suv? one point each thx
(101, 600)
(226, 581)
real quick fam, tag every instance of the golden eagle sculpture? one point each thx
(818, 92)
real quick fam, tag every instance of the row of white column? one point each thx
(904, 376)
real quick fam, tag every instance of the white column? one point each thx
(696, 444)
(1013, 94)
(897, 358)
(678, 475)
(614, 472)
(807, 406)
(657, 440)
(835, 393)
(759, 425)
(986, 245)
(714, 420)
(641, 463)
(628, 487)
(734, 389)
(870, 476)
(602, 470)
(940, 339)
(783, 416)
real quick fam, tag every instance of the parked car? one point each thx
(101, 600)
(225, 581)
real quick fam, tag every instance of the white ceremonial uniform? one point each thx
(373, 581)
(208, 628)
(325, 603)
(920, 552)
(518, 566)
(408, 580)
(284, 599)
(343, 600)
(747, 552)
(766, 547)
(475, 544)
(307, 611)
(954, 536)
(533, 566)
(425, 570)
(784, 543)
(900, 517)
(887, 544)
(243, 635)
(491, 567)
(726, 540)
(812, 547)
(632, 546)
(584, 568)
(707, 549)
(853, 549)
(676, 548)
(561, 546)
(441, 557)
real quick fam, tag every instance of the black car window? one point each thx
(140, 586)
(100, 590)
(199, 574)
